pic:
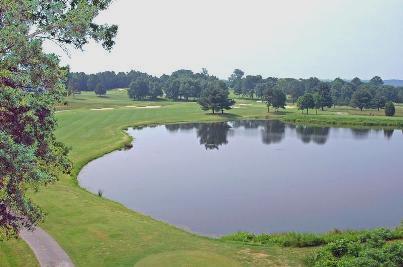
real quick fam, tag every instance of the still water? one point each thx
(257, 176)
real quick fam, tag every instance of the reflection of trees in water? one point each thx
(273, 132)
(360, 133)
(183, 127)
(388, 133)
(252, 124)
(314, 134)
(213, 135)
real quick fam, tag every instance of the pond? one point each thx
(257, 176)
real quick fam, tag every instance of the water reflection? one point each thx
(317, 135)
(208, 177)
(388, 133)
(360, 133)
(273, 132)
(214, 135)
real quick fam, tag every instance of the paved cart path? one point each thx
(46, 249)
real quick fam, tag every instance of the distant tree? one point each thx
(400, 95)
(310, 84)
(100, 89)
(305, 102)
(268, 97)
(390, 93)
(249, 83)
(335, 90)
(325, 97)
(260, 89)
(377, 81)
(139, 89)
(92, 81)
(292, 87)
(172, 88)
(278, 99)
(215, 97)
(346, 93)
(317, 102)
(235, 81)
(361, 99)
(356, 82)
(155, 89)
(390, 109)
(378, 100)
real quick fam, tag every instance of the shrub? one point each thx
(372, 237)
(364, 252)
(390, 109)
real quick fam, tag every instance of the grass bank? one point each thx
(99, 232)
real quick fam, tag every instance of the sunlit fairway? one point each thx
(97, 232)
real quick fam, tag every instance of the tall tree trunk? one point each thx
(322, 108)
(307, 111)
(222, 111)
(268, 108)
(316, 111)
(213, 110)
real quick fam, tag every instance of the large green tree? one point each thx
(215, 97)
(306, 102)
(31, 82)
(278, 99)
(139, 89)
(361, 99)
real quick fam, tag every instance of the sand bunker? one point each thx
(245, 104)
(150, 107)
(102, 108)
(130, 106)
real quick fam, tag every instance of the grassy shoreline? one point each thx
(101, 232)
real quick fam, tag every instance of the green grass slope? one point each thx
(99, 232)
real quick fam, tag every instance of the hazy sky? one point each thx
(301, 38)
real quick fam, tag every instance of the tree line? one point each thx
(212, 93)
(313, 93)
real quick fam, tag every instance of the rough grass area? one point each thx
(98, 232)
(16, 253)
(293, 239)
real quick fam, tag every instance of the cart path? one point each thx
(46, 249)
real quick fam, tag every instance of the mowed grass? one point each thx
(16, 252)
(99, 232)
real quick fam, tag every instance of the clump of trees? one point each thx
(143, 88)
(215, 97)
(274, 97)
